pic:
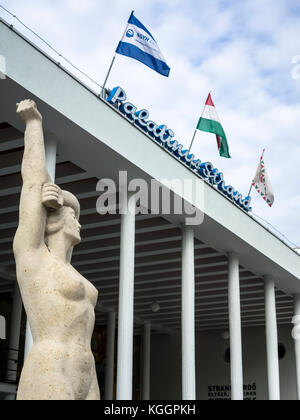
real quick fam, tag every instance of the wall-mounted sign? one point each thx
(223, 392)
(165, 137)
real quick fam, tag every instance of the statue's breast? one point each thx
(70, 284)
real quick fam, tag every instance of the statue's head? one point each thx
(65, 219)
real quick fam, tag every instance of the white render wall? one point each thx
(211, 368)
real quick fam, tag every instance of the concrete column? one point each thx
(50, 151)
(14, 339)
(110, 356)
(236, 358)
(28, 340)
(146, 361)
(272, 340)
(10, 397)
(296, 337)
(126, 301)
(188, 315)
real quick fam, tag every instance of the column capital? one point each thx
(269, 282)
(232, 254)
(50, 137)
(269, 277)
(233, 258)
(189, 228)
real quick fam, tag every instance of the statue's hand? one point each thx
(52, 196)
(27, 111)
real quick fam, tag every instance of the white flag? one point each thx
(262, 183)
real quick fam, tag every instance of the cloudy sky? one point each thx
(246, 52)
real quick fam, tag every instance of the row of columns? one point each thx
(188, 333)
(236, 362)
(126, 307)
(126, 317)
(110, 359)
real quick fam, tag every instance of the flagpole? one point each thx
(262, 156)
(250, 190)
(113, 61)
(196, 128)
(192, 141)
(107, 76)
(195, 132)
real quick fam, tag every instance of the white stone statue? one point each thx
(59, 302)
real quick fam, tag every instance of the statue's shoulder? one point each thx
(26, 255)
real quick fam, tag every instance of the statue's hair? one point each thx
(55, 219)
(71, 201)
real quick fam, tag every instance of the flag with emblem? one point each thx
(138, 43)
(210, 122)
(262, 183)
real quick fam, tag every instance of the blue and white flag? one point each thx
(138, 43)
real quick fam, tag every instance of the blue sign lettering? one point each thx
(165, 137)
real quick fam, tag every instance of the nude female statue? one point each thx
(59, 302)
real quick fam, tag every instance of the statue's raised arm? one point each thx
(32, 217)
(58, 300)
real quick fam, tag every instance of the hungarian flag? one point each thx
(262, 184)
(210, 123)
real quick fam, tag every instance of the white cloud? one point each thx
(80, 6)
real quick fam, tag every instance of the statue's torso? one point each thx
(60, 306)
